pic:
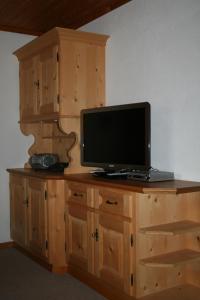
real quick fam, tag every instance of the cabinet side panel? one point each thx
(152, 210)
(193, 239)
(56, 222)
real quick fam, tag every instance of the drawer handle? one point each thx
(77, 194)
(111, 202)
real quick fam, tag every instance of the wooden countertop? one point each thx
(172, 186)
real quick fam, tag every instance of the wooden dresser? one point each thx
(127, 239)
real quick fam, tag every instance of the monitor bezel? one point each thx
(119, 166)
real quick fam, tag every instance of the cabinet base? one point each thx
(98, 285)
(52, 268)
(7, 245)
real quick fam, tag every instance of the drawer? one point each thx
(79, 193)
(115, 202)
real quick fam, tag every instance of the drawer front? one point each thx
(79, 193)
(115, 202)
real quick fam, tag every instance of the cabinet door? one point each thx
(18, 207)
(29, 88)
(48, 70)
(114, 253)
(37, 216)
(79, 242)
(82, 72)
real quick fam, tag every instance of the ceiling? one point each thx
(38, 16)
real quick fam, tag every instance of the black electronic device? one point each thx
(151, 175)
(116, 137)
(43, 161)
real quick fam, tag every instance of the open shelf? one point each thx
(172, 259)
(172, 228)
(181, 292)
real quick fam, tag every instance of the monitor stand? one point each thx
(151, 175)
(111, 174)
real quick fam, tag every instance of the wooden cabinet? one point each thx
(79, 219)
(113, 252)
(18, 209)
(37, 216)
(144, 238)
(48, 81)
(79, 243)
(99, 233)
(29, 88)
(114, 248)
(61, 72)
(126, 239)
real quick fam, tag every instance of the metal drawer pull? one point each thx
(77, 194)
(111, 202)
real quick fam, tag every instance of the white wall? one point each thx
(13, 145)
(153, 55)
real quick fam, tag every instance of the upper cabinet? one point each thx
(61, 72)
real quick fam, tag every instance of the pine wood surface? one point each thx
(172, 228)
(5, 245)
(172, 259)
(173, 186)
(120, 254)
(61, 72)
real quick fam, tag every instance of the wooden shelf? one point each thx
(172, 228)
(182, 292)
(172, 259)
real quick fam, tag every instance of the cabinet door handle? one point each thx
(110, 202)
(26, 202)
(34, 229)
(37, 83)
(77, 194)
(95, 235)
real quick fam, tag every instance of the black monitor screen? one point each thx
(116, 136)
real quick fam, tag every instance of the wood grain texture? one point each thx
(36, 17)
(172, 187)
(7, 245)
(61, 72)
(172, 259)
(172, 228)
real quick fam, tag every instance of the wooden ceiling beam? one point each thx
(35, 17)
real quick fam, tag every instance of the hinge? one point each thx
(45, 194)
(46, 244)
(132, 279)
(132, 240)
(58, 98)
(27, 202)
(57, 56)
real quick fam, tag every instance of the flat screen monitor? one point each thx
(116, 137)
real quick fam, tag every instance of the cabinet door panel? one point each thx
(82, 67)
(79, 244)
(37, 217)
(48, 70)
(29, 88)
(115, 202)
(113, 252)
(18, 210)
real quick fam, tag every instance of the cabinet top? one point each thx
(172, 186)
(58, 35)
